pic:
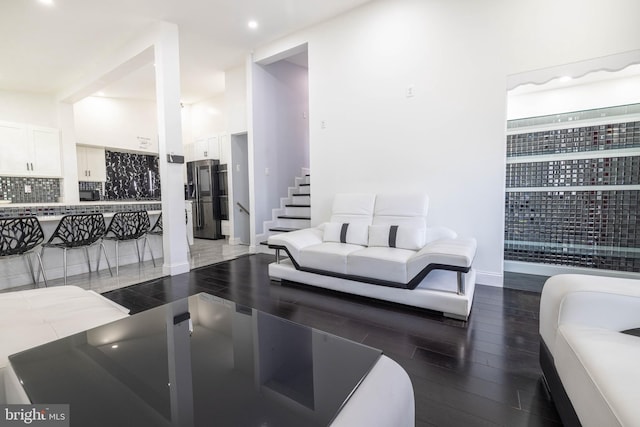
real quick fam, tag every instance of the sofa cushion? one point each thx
(380, 263)
(328, 256)
(354, 233)
(397, 236)
(599, 371)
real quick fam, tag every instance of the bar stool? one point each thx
(18, 237)
(127, 226)
(157, 230)
(78, 231)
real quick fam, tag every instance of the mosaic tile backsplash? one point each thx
(43, 190)
(90, 186)
(59, 210)
(131, 176)
(586, 225)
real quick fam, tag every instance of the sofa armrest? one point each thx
(295, 241)
(458, 253)
(557, 288)
(600, 310)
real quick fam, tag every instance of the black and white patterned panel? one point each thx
(131, 176)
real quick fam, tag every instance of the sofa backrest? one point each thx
(353, 208)
(401, 209)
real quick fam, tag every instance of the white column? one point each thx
(167, 66)
(66, 122)
(250, 152)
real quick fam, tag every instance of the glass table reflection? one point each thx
(201, 361)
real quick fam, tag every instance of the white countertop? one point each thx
(8, 204)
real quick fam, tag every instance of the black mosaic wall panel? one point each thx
(575, 139)
(43, 190)
(596, 229)
(131, 176)
(559, 173)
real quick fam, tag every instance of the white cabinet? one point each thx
(29, 150)
(13, 160)
(91, 164)
(206, 148)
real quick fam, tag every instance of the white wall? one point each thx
(207, 118)
(449, 139)
(608, 93)
(117, 123)
(280, 133)
(236, 99)
(21, 107)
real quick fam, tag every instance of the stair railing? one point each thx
(242, 208)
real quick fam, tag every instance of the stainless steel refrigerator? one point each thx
(203, 188)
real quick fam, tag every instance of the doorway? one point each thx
(280, 135)
(240, 189)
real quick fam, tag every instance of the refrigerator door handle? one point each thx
(198, 203)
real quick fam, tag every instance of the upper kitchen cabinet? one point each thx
(91, 164)
(206, 148)
(29, 150)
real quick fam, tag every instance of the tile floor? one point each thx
(203, 252)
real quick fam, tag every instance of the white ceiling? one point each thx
(46, 49)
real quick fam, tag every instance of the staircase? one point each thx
(294, 212)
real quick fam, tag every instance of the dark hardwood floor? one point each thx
(483, 372)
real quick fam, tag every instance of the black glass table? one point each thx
(201, 361)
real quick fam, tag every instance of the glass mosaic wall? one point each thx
(132, 176)
(573, 193)
(39, 190)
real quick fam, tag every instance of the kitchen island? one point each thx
(15, 272)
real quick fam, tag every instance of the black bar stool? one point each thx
(157, 230)
(19, 236)
(127, 226)
(78, 231)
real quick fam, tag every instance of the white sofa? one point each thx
(33, 317)
(590, 366)
(379, 246)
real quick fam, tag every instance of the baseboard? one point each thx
(489, 278)
(552, 270)
(235, 241)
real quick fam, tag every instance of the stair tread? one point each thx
(297, 194)
(293, 217)
(283, 229)
(297, 206)
(304, 185)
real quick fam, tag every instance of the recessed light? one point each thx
(565, 79)
(47, 2)
(252, 24)
(114, 346)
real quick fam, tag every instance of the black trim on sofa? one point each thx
(556, 389)
(413, 283)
